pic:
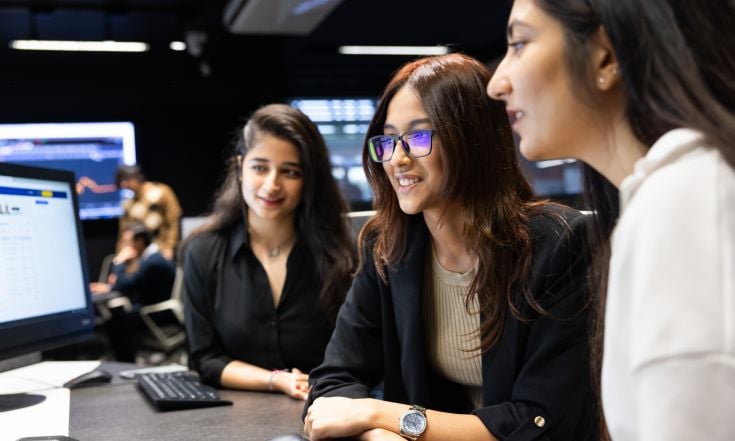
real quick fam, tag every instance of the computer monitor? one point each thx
(343, 122)
(191, 223)
(557, 179)
(44, 296)
(92, 150)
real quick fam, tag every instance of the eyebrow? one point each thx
(411, 125)
(513, 24)
(265, 161)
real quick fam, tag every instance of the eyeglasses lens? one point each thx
(381, 147)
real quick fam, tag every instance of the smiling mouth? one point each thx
(271, 201)
(515, 115)
(408, 182)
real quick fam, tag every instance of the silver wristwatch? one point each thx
(413, 422)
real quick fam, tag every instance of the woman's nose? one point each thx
(499, 86)
(273, 180)
(400, 155)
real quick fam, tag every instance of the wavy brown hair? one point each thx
(481, 175)
(319, 215)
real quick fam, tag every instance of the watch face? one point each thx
(413, 423)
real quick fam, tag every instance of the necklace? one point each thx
(276, 251)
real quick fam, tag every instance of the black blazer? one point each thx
(539, 368)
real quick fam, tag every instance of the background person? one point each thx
(153, 204)
(471, 297)
(142, 274)
(265, 275)
(151, 279)
(643, 92)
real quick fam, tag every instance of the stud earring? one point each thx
(601, 80)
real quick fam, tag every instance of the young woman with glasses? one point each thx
(265, 275)
(644, 92)
(469, 310)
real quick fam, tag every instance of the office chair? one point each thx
(165, 320)
(105, 268)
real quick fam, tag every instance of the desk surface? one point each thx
(119, 411)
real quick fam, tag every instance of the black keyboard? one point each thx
(178, 390)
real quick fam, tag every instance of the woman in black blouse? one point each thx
(470, 304)
(266, 274)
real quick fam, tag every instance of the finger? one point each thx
(301, 389)
(297, 394)
(296, 371)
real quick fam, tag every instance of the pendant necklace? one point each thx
(274, 252)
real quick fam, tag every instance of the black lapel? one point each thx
(406, 281)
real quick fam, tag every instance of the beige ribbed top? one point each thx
(453, 332)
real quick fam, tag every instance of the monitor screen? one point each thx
(93, 151)
(559, 179)
(44, 296)
(343, 122)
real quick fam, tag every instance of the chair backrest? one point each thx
(105, 268)
(357, 219)
(167, 336)
(177, 293)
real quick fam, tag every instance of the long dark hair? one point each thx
(319, 215)
(677, 70)
(481, 173)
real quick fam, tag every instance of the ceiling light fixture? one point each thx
(393, 50)
(279, 17)
(79, 46)
(177, 46)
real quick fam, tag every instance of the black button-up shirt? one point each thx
(230, 313)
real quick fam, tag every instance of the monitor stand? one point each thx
(18, 401)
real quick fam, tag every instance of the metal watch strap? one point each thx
(419, 408)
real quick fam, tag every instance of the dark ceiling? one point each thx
(223, 70)
(472, 26)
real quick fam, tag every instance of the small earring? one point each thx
(601, 80)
